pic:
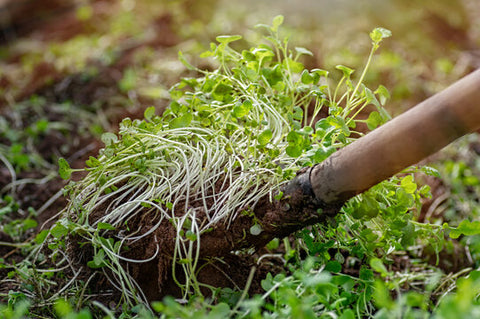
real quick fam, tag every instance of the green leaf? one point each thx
(63, 308)
(276, 23)
(222, 91)
(190, 235)
(322, 153)
(242, 109)
(378, 266)
(92, 162)
(294, 150)
(294, 138)
(265, 137)
(64, 169)
(182, 121)
(228, 38)
(28, 224)
(294, 66)
(303, 51)
(365, 273)
(347, 314)
(256, 229)
(466, 228)
(338, 122)
(306, 77)
(98, 260)
(105, 226)
(381, 295)
(346, 70)
(371, 98)
(298, 113)
(333, 266)
(59, 231)
(408, 184)
(149, 113)
(128, 81)
(430, 171)
(374, 120)
(182, 59)
(378, 34)
(382, 93)
(40, 238)
(109, 138)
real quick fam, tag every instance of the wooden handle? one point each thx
(403, 141)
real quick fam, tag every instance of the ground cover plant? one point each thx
(169, 174)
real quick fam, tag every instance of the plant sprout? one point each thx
(228, 138)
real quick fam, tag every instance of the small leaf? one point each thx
(149, 113)
(294, 66)
(105, 226)
(109, 138)
(382, 93)
(322, 153)
(59, 231)
(255, 230)
(277, 22)
(265, 137)
(40, 238)
(306, 77)
(304, 51)
(182, 121)
(190, 235)
(374, 120)
(333, 266)
(378, 266)
(294, 150)
(278, 196)
(430, 171)
(242, 109)
(98, 260)
(347, 314)
(182, 59)
(371, 98)
(228, 38)
(409, 184)
(465, 228)
(378, 34)
(64, 169)
(346, 70)
(92, 162)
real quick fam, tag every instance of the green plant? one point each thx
(227, 139)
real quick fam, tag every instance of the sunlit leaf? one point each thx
(304, 51)
(182, 121)
(265, 137)
(228, 38)
(64, 169)
(378, 34)
(465, 227)
(149, 113)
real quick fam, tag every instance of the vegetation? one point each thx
(231, 137)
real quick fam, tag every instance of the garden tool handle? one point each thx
(401, 142)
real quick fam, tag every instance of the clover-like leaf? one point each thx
(64, 169)
(378, 34)
(265, 137)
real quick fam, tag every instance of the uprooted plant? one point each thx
(173, 195)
